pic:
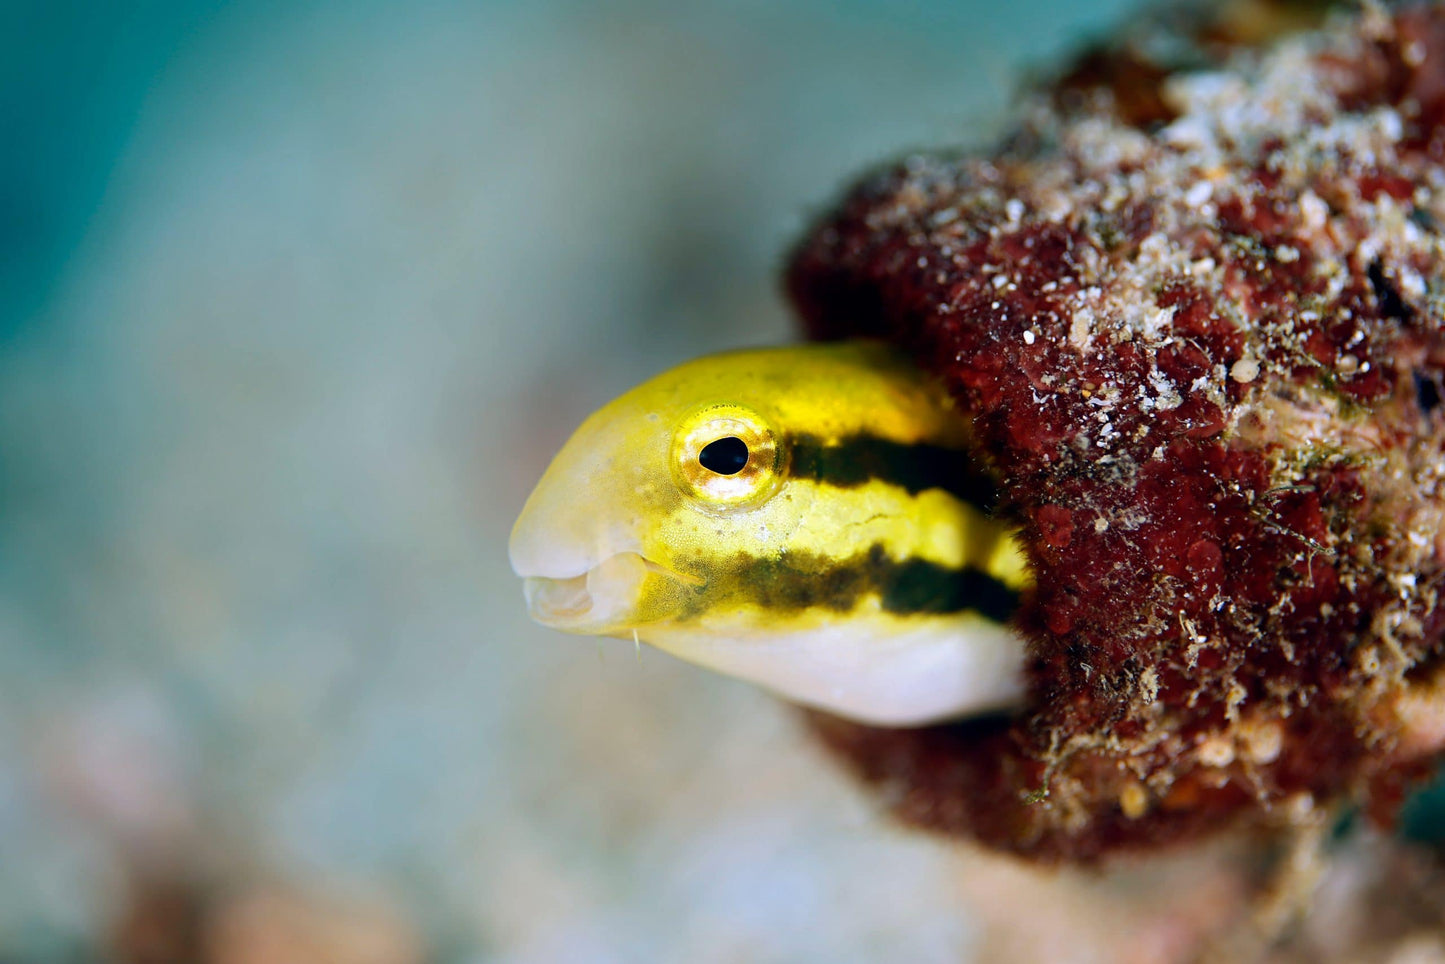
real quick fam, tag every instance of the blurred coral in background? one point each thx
(296, 300)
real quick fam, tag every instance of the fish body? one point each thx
(810, 518)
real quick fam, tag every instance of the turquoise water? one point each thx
(296, 300)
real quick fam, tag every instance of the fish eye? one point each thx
(726, 457)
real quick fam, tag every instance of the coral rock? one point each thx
(1201, 345)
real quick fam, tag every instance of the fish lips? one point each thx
(611, 598)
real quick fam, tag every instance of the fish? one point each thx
(814, 519)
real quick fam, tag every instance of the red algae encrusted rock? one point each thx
(1203, 355)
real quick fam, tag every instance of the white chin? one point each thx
(881, 670)
(599, 601)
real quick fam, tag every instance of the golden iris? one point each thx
(743, 461)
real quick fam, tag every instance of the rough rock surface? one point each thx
(1201, 344)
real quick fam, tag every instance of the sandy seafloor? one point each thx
(300, 300)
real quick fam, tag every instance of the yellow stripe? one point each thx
(820, 519)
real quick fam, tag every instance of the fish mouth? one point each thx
(608, 598)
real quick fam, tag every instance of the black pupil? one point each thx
(726, 456)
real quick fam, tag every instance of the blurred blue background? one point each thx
(296, 301)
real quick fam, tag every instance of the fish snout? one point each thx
(605, 599)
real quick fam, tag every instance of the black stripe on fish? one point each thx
(795, 581)
(858, 459)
